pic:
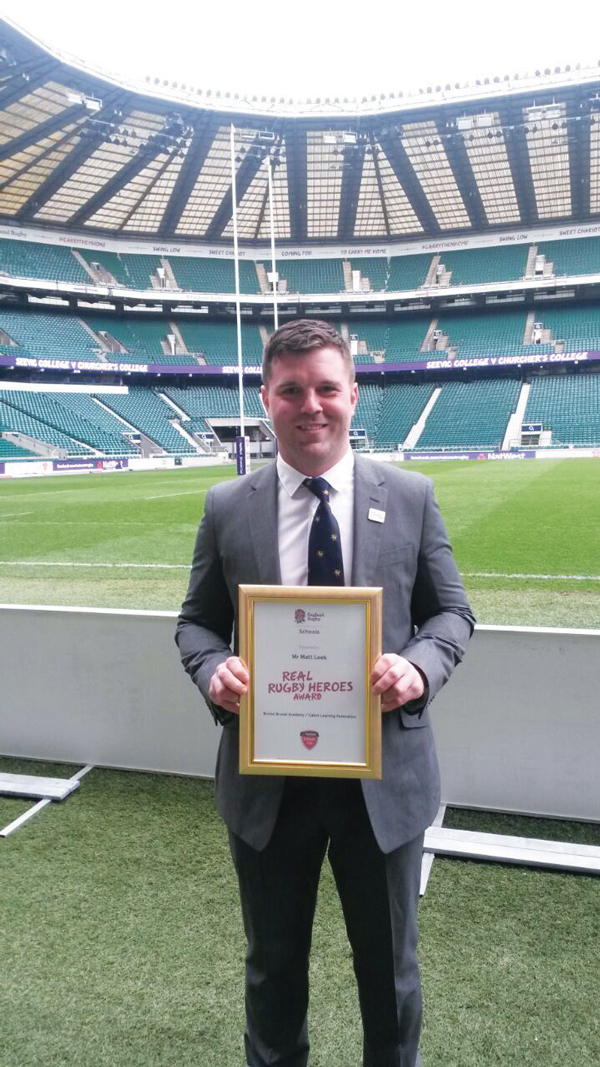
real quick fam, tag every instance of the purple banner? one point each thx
(361, 368)
(426, 457)
(240, 454)
(93, 464)
(1, 467)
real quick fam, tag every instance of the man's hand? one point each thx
(396, 680)
(229, 681)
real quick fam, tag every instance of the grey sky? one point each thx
(316, 47)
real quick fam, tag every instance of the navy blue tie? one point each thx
(325, 562)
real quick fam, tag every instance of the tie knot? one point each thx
(319, 487)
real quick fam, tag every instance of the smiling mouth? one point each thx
(312, 427)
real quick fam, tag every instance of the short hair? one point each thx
(300, 336)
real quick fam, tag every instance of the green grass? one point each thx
(535, 518)
(122, 942)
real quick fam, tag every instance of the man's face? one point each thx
(311, 401)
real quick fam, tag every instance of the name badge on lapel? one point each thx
(375, 515)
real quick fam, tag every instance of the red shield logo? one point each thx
(309, 738)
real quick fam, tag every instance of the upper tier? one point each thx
(433, 272)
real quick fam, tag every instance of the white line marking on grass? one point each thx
(14, 515)
(57, 563)
(185, 492)
(539, 577)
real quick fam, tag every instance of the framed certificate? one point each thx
(309, 709)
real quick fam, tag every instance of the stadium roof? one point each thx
(82, 152)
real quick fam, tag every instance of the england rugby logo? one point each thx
(300, 615)
(309, 738)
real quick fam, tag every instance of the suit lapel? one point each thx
(369, 492)
(262, 521)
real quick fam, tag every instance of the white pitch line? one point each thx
(56, 563)
(185, 566)
(185, 492)
(14, 515)
(539, 577)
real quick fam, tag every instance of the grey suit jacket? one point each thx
(426, 618)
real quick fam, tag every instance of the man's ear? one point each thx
(265, 398)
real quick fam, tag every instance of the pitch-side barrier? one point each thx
(517, 728)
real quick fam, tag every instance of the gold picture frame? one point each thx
(310, 651)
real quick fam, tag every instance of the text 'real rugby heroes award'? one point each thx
(309, 709)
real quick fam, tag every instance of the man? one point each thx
(261, 529)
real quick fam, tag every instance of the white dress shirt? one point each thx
(296, 507)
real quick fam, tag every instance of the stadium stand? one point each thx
(401, 406)
(375, 337)
(19, 422)
(368, 410)
(580, 255)
(140, 269)
(217, 342)
(408, 272)
(109, 261)
(375, 268)
(203, 275)
(470, 415)
(485, 333)
(50, 409)
(46, 335)
(216, 401)
(141, 338)
(9, 451)
(28, 259)
(311, 276)
(578, 326)
(475, 266)
(569, 405)
(405, 339)
(145, 410)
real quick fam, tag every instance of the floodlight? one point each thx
(74, 98)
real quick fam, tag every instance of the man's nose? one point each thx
(311, 401)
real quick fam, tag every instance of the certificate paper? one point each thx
(309, 709)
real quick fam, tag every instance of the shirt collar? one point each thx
(339, 476)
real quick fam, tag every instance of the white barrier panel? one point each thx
(518, 727)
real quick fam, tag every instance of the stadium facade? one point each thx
(452, 235)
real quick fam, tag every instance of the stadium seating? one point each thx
(141, 338)
(217, 342)
(10, 451)
(20, 422)
(475, 266)
(408, 272)
(145, 410)
(569, 405)
(203, 275)
(401, 406)
(140, 268)
(578, 326)
(216, 401)
(109, 260)
(485, 333)
(60, 412)
(311, 276)
(470, 414)
(46, 335)
(375, 268)
(368, 409)
(405, 338)
(580, 255)
(374, 334)
(28, 259)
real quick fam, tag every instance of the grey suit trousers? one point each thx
(379, 895)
